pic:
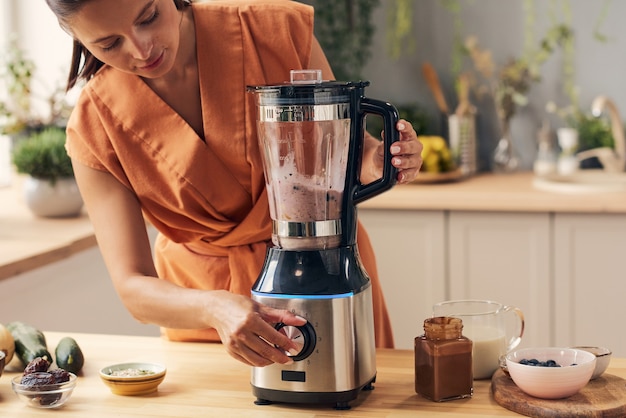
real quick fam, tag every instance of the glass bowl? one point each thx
(45, 396)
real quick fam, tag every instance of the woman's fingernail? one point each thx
(394, 149)
(302, 318)
(401, 126)
(293, 351)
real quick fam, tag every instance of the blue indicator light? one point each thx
(286, 296)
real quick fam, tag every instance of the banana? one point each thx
(436, 155)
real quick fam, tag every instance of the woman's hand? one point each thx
(247, 331)
(406, 154)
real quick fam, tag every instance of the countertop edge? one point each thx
(512, 192)
(58, 253)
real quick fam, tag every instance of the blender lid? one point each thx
(306, 88)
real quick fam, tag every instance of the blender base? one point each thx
(341, 400)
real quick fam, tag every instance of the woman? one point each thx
(164, 129)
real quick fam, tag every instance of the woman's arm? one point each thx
(406, 152)
(120, 229)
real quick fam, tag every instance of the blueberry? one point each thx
(535, 362)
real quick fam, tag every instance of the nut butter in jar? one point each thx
(443, 360)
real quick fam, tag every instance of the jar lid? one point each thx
(444, 321)
(443, 327)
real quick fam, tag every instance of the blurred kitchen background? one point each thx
(394, 38)
(434, 31)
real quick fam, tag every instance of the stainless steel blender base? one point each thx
(341, 400)
(338, 357)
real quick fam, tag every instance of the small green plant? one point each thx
(592, 132)
(42, 155)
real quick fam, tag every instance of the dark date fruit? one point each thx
(37, 380)
(40, 381)
(38, 364)
(60, 375)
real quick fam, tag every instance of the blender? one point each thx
(311, 136)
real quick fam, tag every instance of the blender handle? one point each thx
(390, 118)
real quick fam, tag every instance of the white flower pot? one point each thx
(48, 200)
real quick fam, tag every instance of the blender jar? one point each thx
(304, 135)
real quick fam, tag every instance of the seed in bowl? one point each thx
(131, 372)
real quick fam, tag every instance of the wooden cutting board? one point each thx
(603, 397)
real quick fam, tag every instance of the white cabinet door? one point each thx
(409, 248)
(590, 280)
(504, 257)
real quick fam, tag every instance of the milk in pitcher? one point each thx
(489, 345)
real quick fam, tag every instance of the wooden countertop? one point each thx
(496, 193)
(27, 242)
(203, 381)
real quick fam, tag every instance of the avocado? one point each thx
(69, 356)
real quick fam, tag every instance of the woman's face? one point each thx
(135, 36)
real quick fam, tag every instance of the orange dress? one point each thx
(206, 196)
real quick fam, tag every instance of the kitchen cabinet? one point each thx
(410, 254)
(503, 257)
(590, 280)
(564, 270)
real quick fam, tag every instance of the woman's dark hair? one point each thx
(84, 65)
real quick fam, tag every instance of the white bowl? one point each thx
(603, 358)
(576, 369)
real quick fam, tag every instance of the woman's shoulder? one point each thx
(264, 18)
(109, 81)
(253, 6)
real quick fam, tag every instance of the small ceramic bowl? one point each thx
(46, 396)
(576, 368)
(133, 378)
(603, 358)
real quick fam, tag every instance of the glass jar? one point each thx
(443, 360)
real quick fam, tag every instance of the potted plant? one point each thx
(50, 188)
(592, 132)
